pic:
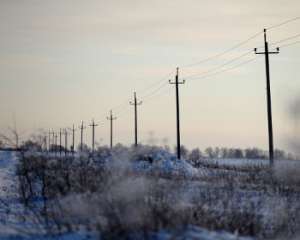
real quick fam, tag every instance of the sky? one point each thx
(64, 61)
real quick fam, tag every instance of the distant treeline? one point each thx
(238, 153)
(210, 152)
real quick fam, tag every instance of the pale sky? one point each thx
(63, 61)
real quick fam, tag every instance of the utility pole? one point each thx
(53, 140)
(82, 127)
(49, 140)
(66, 141)
(93, 125)
(177, 110)
(73, 140)
(111, 119)
(55, 148)
(135, 103)
(45, 144)
(269, 99)
(60, 133)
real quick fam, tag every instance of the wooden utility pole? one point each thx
(177, 110)
(269, 99)
(111, 119)
(81, 127)
(45, 144)
(93, 125)
(60, 133)
(53, 140)
(49, 140)
(66, 141)
(135, 103)
(55, 148)
(73, 140)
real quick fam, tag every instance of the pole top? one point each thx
(265, 34)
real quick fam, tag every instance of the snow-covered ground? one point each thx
(252, 162)
(197, 186)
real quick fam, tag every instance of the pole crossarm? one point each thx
(111, 116)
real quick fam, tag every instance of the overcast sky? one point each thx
(63, 61)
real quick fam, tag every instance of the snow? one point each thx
(239, 162)
(164, 164)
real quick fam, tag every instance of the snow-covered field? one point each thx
(206, 197)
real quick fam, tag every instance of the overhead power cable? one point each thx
(224, 52)
(221, 66)
(289, 44)
(283, 23)
(225, 70)
(286, 39)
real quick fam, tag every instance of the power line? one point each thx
(224, 52)
(241, 43)
(286, 39)
(225, 70)
(151, 86)
(289, 44)
(146, 89)
(150, 96)
(283, 23)
(222, 65)
(154, 91)
(163, 79)
(158, 95)
(146, 98)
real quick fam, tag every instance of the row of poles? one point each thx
(64, 132)
(177, 82)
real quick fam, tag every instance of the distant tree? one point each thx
(224, 152)
(279, 154)
(85, 148)
(31, 146)
(184, 151)
(12, 138)
(217, 152)
(254, 153)
(238, 153)
(209, 152)
(195, 157)
(40, 138)
(119, 148)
